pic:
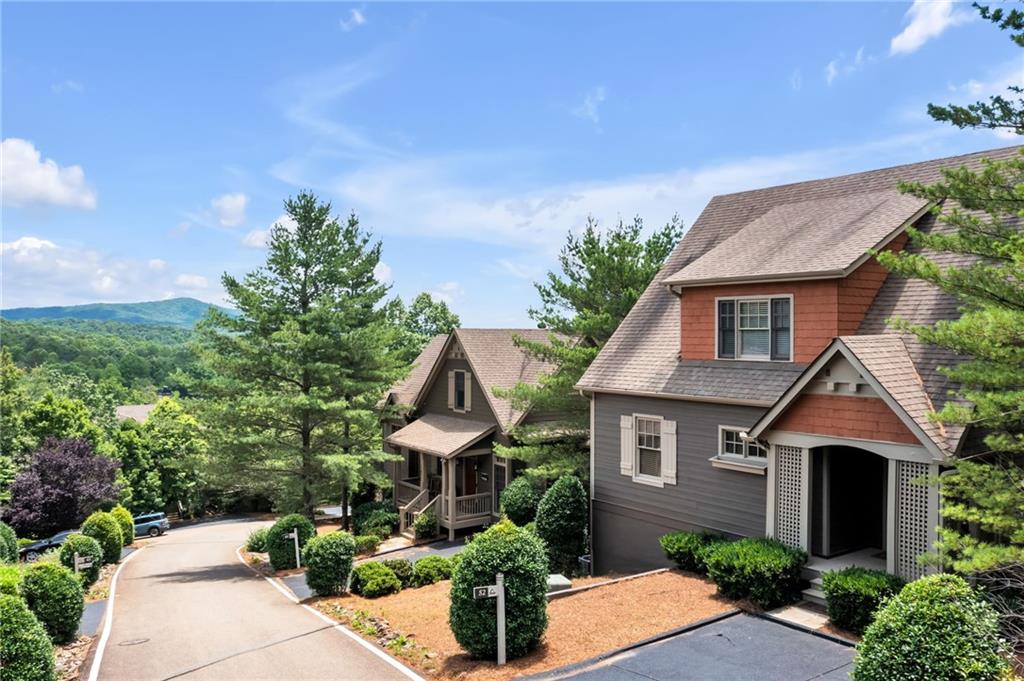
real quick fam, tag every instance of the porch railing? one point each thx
(407, 513)
(468, 506)
(406, 491)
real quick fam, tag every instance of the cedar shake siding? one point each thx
(822, 309)
(862, 418)
(628, 517)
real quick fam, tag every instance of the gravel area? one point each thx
(580, 626)
(70, 657)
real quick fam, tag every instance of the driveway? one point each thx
(186, 608)
(740, 646)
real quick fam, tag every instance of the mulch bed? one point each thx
(413, 624)
(70, 657)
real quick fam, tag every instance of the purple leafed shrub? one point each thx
(64, 483)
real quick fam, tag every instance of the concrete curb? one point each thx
(580, 589)
(802, 628)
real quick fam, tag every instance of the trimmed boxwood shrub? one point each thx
(280, 547)
(8, 544)
(10, 579)
(764, 570)
(54, 594)
(124, 518)
(935, 628)
(105, 529)
(26, 653)
(562, 524)
(257, 540)
(87, 547)
(402, 568)
(431, 570)
(366, 544)
(520, 556)
(425, 525)
(520, 499)
(374, 579)
(853, 594)
(328, 561)
(687, 549)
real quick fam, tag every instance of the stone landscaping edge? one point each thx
(587, 587)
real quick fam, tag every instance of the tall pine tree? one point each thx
(299, 371)
(603, 272)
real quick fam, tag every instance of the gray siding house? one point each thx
(755, 389)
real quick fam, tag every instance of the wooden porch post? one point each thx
(451, 500)
(423, 470)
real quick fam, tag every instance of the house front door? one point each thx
(848, 501)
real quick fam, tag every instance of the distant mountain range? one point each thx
(183, 312)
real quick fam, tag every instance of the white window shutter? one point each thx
(451, 390)
(469, 391)
(668, 452)
(627, 444)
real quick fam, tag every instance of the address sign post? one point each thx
(496, 590)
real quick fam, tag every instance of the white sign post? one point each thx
(496, 590)
(82, 563)
(294, 534)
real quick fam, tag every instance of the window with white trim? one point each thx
(648, 447)
(755, 328)
(732, 446)
(460, 390)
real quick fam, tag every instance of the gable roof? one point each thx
(882, 360)
(406, 390)
(443, 436)
(817, 238)
(642, 355)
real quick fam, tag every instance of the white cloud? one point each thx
(382, 271)
(157, 265)
(67, 86)
(831, 71)
(191, 281)
(260, 238)
(796, 80)
(447, 291)
(355, 19)
(926, 19)
(592, 101)
(38, 271)
(843, 66)
(520, 270)
(230, 209)
(28, 179)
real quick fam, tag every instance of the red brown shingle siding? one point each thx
(858, 291)
(865, 418)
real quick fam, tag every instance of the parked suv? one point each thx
(153, 524)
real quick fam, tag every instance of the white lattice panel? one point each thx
(912, 521)
(789, 490)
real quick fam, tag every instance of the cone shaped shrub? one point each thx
(280, 547)
(105, 529)
(562, 524)
(519, 500)
(328, 561)
(26, 653)
(54, 594)
(8, 544)
(85, 547)
(520, 556)
(127, 523)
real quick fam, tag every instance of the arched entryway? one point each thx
(848, 502)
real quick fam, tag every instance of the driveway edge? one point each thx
(95, 657)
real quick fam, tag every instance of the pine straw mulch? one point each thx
(413, 624)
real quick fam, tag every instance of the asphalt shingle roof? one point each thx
(642, 354)
(440, 435)
(406, 390)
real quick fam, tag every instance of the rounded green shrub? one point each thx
(562, 524)
(54, 594)
(257, 540)
(282, 548)
(687, 549)
(366, 544)
(430, 570)
(520, 499)
(362, 512)
(10, 579)
(853, 594)
(373, 580)
(379, 522)
(86, 547)
(328, 561)
(127, 523)
(403, 570)
(26, 653)
(936, 628)
(425, 526)
(8, 544)
(105, 529)
(521, 558)
(764, 570)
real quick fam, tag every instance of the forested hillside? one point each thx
(183, 312)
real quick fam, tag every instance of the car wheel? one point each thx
(154, 532)
(31, 557)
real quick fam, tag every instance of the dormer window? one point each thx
(755, 328)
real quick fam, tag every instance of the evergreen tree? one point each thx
(14, 441)
(418, 323)
(297, 375)
(603, 273)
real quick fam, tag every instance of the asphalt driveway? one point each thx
(737, 647)
(186, 608)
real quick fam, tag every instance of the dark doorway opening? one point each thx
(848, 500)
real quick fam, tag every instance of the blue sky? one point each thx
(147, 147)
